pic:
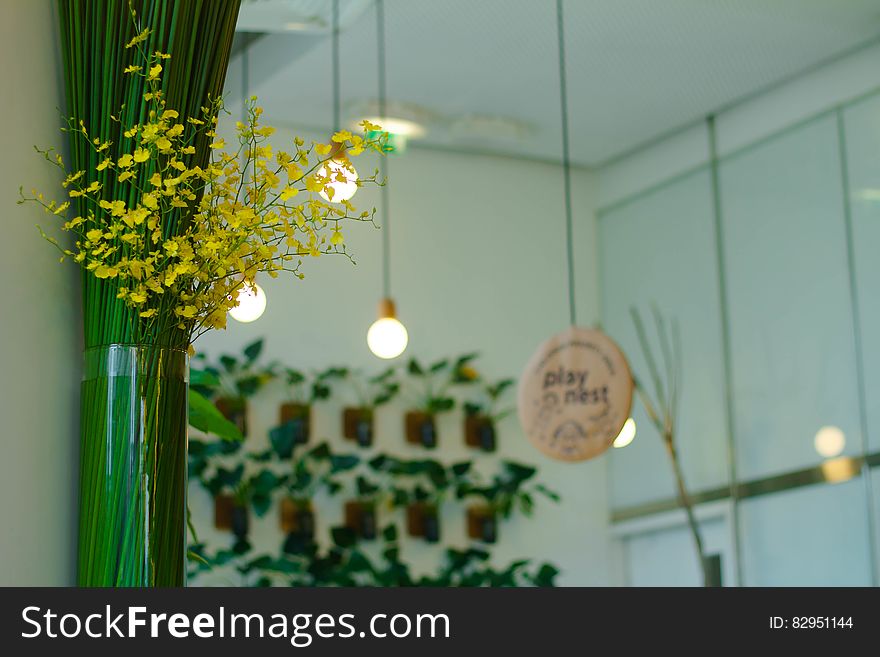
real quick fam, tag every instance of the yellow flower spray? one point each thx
(184, 240)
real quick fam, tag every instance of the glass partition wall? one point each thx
(773, 283)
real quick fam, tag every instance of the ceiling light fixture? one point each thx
(387, 336)
(398, 126)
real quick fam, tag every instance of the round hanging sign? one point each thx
(575, 394)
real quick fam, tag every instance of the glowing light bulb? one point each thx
(251, 304)
(342, 190)
(387, 337)
(829, 441)
(627, 434)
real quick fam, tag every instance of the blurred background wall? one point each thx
(40, 343)
(771, 280)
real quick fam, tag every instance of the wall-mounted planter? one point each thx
(482, 524)
(297, 517)
(360, 517)
(423, 521)
(234, 409)
(357, 425)
(421, 429)
(295, 428)
(230, 515)
(479, 432)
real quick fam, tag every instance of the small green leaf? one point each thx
(343, 536)
(203, 378)
(205, 417)
(253, 350)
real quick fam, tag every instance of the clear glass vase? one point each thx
(133, 465)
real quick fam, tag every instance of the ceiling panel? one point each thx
(484, 74)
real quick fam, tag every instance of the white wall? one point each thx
(39, 321)
(478, 263)
(786, 186)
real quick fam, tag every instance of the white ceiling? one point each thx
(486, 71)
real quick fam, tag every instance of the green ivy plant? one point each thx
(507, 492)
(373, 391)
(486, 399)
(236, 377)
(317, 470)
(256, 480)
(429, 387)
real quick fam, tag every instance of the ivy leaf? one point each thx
(496, 390)
(550, 494)
(390, 533)
(441, 404)
(518, 472)
(229, 363)
(383, 376)
(282, 438)
(262, 502)
(439, 366)
(247, 386)
(343, 537)
(465, 359)
(470, 408)
(203, 378)
(266, 482)
(399, 497)
(414, 368)
(205, 417)
(545, 576)
(253, 350)
(320, 391)
(333, 373)
(526, 503)
(364, 487)
(294, 377)
(320, 452)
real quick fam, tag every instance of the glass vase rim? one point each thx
(134, 346)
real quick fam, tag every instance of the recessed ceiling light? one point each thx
(406, 120)
(397, 126)
(298, 26)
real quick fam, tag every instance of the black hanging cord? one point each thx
(383, 161)
(566, 162)
(337, 93)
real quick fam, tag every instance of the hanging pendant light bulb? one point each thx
(343, 179)
(339, 169)
(387, 336)
(251, 304)
(626, 435)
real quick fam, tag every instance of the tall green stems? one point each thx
(663, 411)
(133, 467)
(198, 36)
(134, 393)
